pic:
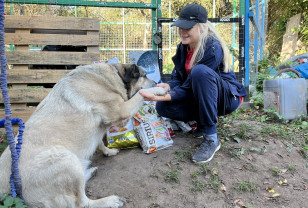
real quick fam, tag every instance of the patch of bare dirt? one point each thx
(257, 166)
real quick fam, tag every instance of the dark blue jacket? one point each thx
(180, 83)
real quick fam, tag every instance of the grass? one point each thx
(214, 182)
(275, 171)
(154, 175)
(292, 168)
(246, 186)
(202, 170)
(182, 155)
(304, 151)
(172, 176)
(242, 134)
(153, 205)
(197, 186)
(276, 130)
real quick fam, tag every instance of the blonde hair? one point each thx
(206, 31)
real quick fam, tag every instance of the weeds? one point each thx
(275, 171)
(275, 130)
(304, 151)
(274, 115)
(292, 168)
(213, 179)
(172, 176)
(154, 175)
(243, 130)
(236, 151)
(153, 205)
(197, 186)
(182, 155)
(258, 100)
(7, 200)
(214, 182)
(200, 171)
(246, 186)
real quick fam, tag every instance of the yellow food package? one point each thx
(122, 137)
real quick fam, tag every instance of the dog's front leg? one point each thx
(133, 105)
(118, 111)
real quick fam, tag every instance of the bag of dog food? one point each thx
(150, 129)
(122, 137)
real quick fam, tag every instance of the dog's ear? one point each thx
(131, 72)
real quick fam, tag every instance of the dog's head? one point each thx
(134, 78)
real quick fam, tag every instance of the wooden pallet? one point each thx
(23, 32)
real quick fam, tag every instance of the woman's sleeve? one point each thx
(175, 80)
(181, 91)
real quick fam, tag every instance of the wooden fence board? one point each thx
(24, 114)
(51, 39)
(27, 95)
(54, 23)
(35, 76)
(51, 57)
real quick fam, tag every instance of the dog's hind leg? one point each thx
(61, 183)
(88, 172)
(106, 202)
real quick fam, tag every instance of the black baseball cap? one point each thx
(190, 15)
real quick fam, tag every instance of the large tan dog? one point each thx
(66, 129)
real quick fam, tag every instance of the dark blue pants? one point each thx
(210, 96)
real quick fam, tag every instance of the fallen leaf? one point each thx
(275, 195)
(169, 165)
(223, 188)
(215, 172)
(283, 171)
(283, 182)
(270, 190)
(240, 203)
(267, 196)
(256, 149)
(237, 139)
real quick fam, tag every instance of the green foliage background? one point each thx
(279, 12)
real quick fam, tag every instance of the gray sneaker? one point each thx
(207, 149)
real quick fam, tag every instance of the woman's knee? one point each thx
(202, 72)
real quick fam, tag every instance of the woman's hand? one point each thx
(152, 97)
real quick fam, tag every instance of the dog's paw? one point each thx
(155, 91)
(160, 91)
(115, 201)
(107, 151)
(110, 152)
